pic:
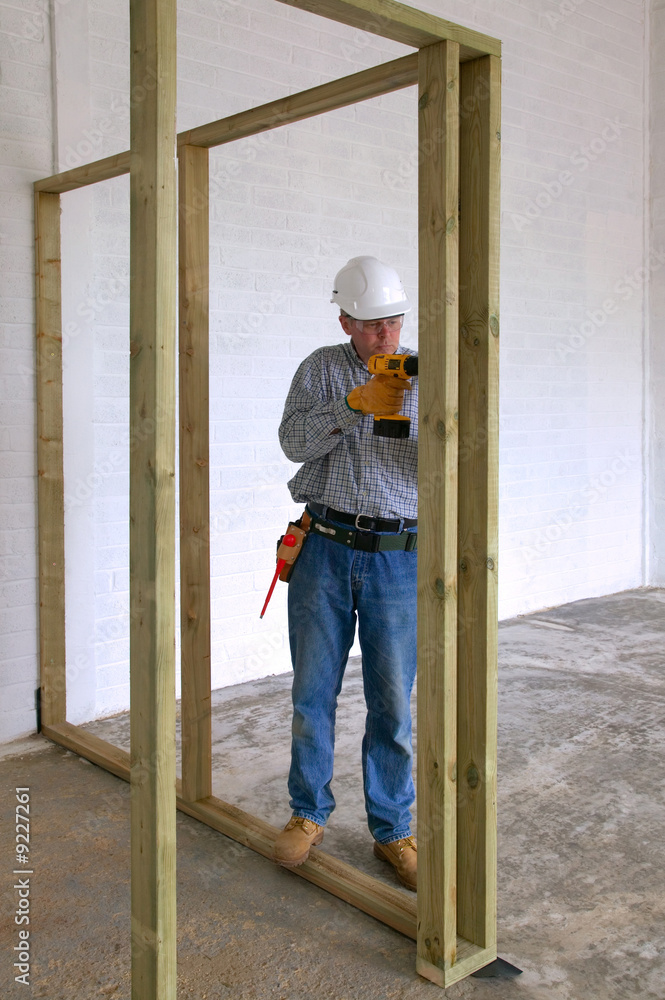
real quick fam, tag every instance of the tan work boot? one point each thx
(402, 855)
(293, 843)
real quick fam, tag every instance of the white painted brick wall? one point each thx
(25, 155)
(656, 356)
(288, 209)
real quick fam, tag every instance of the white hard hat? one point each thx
(367, 289)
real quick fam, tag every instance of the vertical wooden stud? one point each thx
(194, 474)
(480, 125)
(153, 272)
(437, 514)
(50, 479)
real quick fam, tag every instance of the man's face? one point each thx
(380, 336)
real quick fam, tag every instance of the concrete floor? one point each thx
(581, 845)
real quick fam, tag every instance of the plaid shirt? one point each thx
(344, 465)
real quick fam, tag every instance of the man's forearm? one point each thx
(312, 433)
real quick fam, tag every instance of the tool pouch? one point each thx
(300, 529)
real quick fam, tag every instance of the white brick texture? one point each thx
(25, 155)
(656, 343)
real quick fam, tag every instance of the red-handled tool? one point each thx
(289, 541)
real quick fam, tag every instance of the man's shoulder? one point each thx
(331, 354)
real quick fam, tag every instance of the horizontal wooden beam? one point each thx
(340, 93)
(402, 24)
(92, 748)
(89, 173)
(391, 906)
(383, 79)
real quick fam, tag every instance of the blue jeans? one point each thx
(330, 587)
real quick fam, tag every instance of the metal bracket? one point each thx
(499, 969)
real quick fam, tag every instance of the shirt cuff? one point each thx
(345, 417)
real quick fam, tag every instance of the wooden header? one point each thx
(89, 173)
(340, 93)
(402, 24)
(380, 17)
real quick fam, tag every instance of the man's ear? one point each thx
(345, 324)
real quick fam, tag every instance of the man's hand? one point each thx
(382, 395)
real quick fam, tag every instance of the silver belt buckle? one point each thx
(359, 526)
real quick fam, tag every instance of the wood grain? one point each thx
(401, 23)
(347, 90)
(438, 192)
(153, 273)
(478, 499)
(194, 473)
(88, 173)
(50, 475)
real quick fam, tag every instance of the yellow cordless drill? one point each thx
(398, 366)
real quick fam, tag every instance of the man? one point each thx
(359, 562)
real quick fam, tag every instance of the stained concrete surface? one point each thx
(581, 846)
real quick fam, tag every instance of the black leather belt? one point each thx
(363, 522)
(363, 540)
